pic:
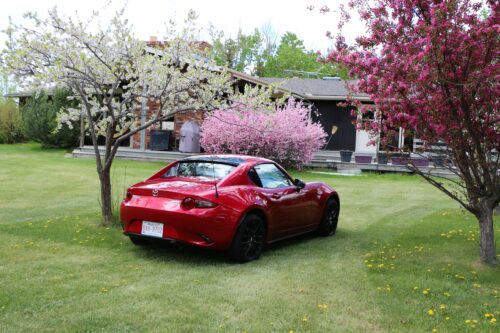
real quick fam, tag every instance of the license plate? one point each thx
(152, 229)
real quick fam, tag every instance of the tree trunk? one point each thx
(486, 237)
(106, 205)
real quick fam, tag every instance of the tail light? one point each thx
(129, 195)
(190, 203)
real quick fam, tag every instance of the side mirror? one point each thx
(299, 184)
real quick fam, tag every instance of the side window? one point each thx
(172, 172)
(271, 177)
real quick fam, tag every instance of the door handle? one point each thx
(276, 195)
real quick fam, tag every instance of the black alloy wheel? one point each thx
(330, 219)
(249, 240)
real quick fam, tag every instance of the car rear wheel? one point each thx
(249, 240)
(139, 241)
(330, 219)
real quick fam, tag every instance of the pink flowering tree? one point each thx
(431, 67)
(285, 134)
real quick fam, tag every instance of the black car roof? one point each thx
(231, 160)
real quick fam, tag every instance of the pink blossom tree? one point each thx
(432, 68)
(285, 134)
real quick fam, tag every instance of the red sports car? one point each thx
(227, 202)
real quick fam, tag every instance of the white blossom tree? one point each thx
(111, 72)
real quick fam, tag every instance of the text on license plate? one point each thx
(152, 229)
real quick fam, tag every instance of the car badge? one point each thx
(155, 192)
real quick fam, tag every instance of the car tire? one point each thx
(139, 241)
(249, 239)
(330, 218)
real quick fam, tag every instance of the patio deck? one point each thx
(322, 159)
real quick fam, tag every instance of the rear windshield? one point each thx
(199, 170)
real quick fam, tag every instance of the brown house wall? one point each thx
(179, 119)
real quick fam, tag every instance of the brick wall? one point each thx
(179, 119)
(182, 117)
(152, 106)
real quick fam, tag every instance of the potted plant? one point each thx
(346, 155)
(382, 157)
(438, 161)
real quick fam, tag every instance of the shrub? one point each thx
(286, 135)
(10, 122)
(40, 120)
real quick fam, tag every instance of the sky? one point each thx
(148, 16)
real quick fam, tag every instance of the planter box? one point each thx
(363, 159)
(345, 155)
(420, 161)
(438, 161)
(399, 160)
(382, 158)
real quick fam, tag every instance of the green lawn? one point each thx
(404, 259)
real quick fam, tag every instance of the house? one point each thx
(324, 95)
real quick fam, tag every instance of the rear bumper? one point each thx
(209, 228)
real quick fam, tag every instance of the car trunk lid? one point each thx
(172, 188)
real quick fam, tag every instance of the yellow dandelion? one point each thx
(493, 320)
(447, 318)
(467, 321)
(430, 312)
(476, 285)
(442, 306)
(425, 292)
(434, 330)
(415, 288)
(487, 315)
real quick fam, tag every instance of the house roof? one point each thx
(28, 93)
(316, 89)
(326, 89)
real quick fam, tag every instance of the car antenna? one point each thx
(215, 180)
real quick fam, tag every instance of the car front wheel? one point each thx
(249, 240)
(330, 219)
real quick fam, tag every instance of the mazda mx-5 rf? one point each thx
(227, 202)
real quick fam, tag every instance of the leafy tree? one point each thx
(10, 122)
(6, 86)
(241, 53)
(431, 67)
(110, 73)
(257, 54)
(40, 120)
(284, 133)
(292, 55)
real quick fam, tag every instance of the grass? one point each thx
(404, 259)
